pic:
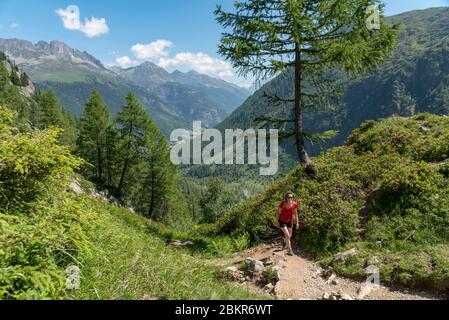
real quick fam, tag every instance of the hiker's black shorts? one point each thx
(286, 224)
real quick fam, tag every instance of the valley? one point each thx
(94, 178)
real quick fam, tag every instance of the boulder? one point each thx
(255, 266)
(342, 256)
(181, 243)
(235, 274)
(340, 295)
(332, 279)
(76, 187)
(269, 288)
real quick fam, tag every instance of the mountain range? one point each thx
(414, 79)
(173, 100)
(195, 96)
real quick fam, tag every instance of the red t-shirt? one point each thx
(287, 213)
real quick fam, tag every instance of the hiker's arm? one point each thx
(297, 218)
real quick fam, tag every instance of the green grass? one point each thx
(129, 262)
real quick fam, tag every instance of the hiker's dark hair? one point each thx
(288, 194)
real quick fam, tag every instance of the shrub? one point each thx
(42, 230)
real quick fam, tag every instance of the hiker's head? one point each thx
(289, 196)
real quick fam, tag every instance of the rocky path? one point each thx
(301, 278)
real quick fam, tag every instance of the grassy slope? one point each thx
(129, 262)
(385, 192)
(73, 84)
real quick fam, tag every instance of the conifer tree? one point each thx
(133, 124)
(24, 80)
(159, 175)
(403, 103)
(94, 126)
(112, 157)
(266, 37)
(50, 112)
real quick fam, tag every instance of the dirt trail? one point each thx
(300, 278)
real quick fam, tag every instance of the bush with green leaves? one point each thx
(42, 230)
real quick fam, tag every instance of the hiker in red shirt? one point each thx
(287, 215)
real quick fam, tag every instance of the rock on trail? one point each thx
(301, 278)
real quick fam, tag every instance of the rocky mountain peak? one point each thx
(25, 52)
(17, 77)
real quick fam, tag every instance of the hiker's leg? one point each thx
(287, 236)
(290, 234)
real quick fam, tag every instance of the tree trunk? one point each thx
(100, 172)
(153, 195)
(122, 178)
(126, 163)
(299, 130)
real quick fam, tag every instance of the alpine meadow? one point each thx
(266, 150)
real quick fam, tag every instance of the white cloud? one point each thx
(199, 62)
(91, 28)
(158, 52)
(247, 85)
(153, 51)
(95, 27)
(14, 25)
(124, 62)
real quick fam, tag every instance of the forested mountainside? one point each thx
(227, 95)
(194, 96)
(414, 79)
(72, 75)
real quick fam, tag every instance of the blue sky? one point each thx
(186, 30)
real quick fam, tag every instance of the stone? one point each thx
(269, 288)
(181, 243)
(28, 91)
(345, 297)
(331, 278)
(76, 187)
(235, 274)
(342, 256)
(275, 291)
(365, 290)
(326, 274)
(424, 129)
(232, 269)
(255, 266)
(268, 262)
(326, 296)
